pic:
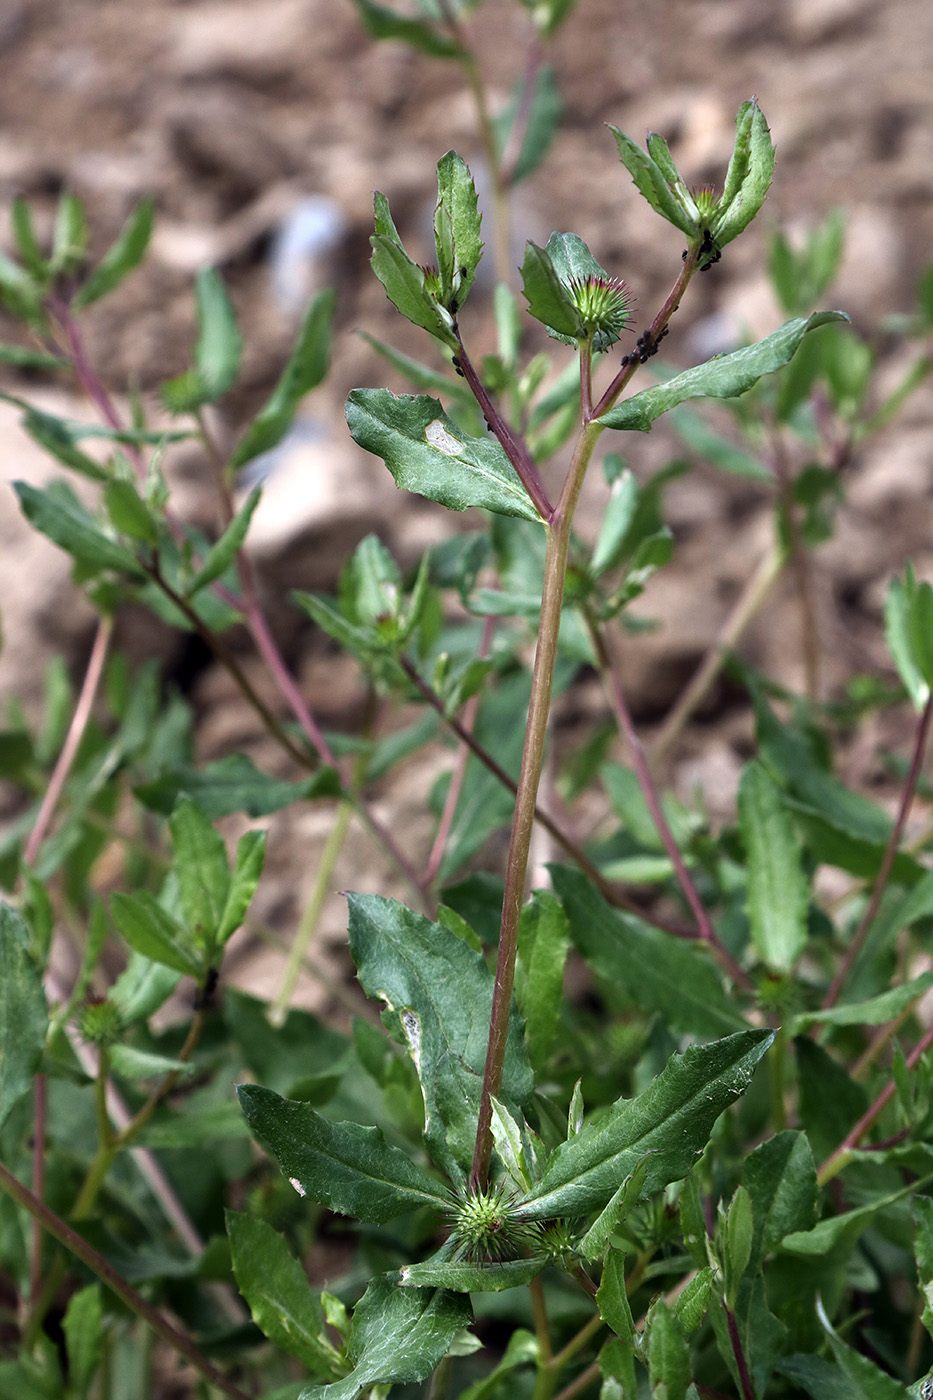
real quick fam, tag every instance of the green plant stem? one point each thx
(40, 1101)
(645, 781)
(79, 723)
(555, 565)
(842, 1155)
(612, 893)
(179, 1341)
(747, 605)
(310, 918)
(803, 575)
(884, 870)
(777, 1059)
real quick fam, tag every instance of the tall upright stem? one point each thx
(555, 567)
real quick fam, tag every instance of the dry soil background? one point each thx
(232, 112)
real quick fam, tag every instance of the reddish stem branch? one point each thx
(884, 870)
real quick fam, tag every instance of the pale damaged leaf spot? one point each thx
(293, 1181)
(412, 1027)
(436, 435)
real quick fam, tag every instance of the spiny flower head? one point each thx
(705, 199)
(101, 1023)
(605, 307)
(485, 1227)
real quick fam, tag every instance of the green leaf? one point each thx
(777, 888)
(20, 294)
(121, 258)
(129, 513)
(548, 299)
(692, 1302)
(55, 511)
(780, 1177)
(668, 1354)
(429, 455)
(723, 377)
(660, 153)
(898, 633)
(24, 357)
(247, 869)
(440, 994)
(876, 1011)
(200, 866)
(657, 972)
(234, 784)
(23, 1016)
(507, 1140)
(540, 117)
(456, 230)
(612, 1299)
(306, 367)
(671, 1120)
(736, 1243)
(867, 1380)
(70, 237)
(130, 1063)
(397, 1334)
(748, 177)
(223, 552)
(84, 1337)
(543, 941)
(346, 1167)
(522, 1350)
(466, 1277)
(922, 1207)
(220, 345)
(58, 437)
(382, 23)
(608, 1221)
(147, 928)
(651, 183)
(279, 1297)
(840, 1230)
(27, 244)
(405, 286)
(616, 523)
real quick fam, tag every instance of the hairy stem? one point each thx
(555, 566)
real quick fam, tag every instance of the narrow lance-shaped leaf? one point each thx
(668, 1354)
(129, 513)
(777, 886)
(381, 22)
(346, 1167)
(900, 642)
(223, 552)
(306, 367)
(597, 1236)
(84, 1338)
(58, 437)
(429, 455)
(147, 928)
(278, 1294)
(220, 344)
(200, 866)
(724, 377)
(125, 254)
(671, 1120)
(456, 229)
(398, 1334)
(55, 511)
(466, 1277)
(247, 869)
(651, 182)
(748, 177)
(612, 1299)
(23, 1015)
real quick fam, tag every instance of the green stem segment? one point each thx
(555, 567)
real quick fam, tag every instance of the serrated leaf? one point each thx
(55, 511)
(543, 942)
(397, 1334)
(223, 552)
(346, 1167)
(466, 1277)
(440, 992)
(84, 1338)
(121, 258)
(723, 377)
(147, 928)
(129, 513)
(306, 367)
(748, 177)
(23, 1015)
(428, 454)
(780, 1177)
(234, 784)
(777, 887)
(404, 283)
(671, 1120)
(456, 229)
(668, 1354)
(276, 1289)
(657, 972)
(548, 299)
(650, 182)
(612, 1299)
(244, 879)
(597, 1236)
(383, 23)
